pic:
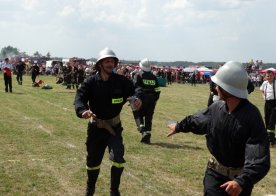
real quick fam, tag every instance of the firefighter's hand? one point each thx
(232, 188)
(88, 114)
(172, 129)
(138, 103)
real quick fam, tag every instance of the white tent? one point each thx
(189, 69)
(204, 69)
(271, 68)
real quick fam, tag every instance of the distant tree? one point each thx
(24, 54)
(48, 55)
(8, 52)
(37, 54)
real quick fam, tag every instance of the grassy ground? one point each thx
(43, 145)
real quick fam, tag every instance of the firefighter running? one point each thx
(235, 133)
(101, 98)
(147, 84)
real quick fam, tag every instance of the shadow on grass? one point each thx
(16, 93)
(66, 92)
(176, 146)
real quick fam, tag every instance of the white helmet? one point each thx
(105, 53)
(233, 78)
(145, 65)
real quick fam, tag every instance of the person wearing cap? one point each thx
(147, 84)
(235, 133)
(269, 95)
(100, 98)
(7, 68)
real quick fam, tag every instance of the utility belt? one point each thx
(230, 172)
(270, 101)
(107, 124)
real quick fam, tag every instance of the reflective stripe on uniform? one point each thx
(157, 89)
(271, 131)
(118, 165)
(93, 168)
(117, 100)
(149, 82)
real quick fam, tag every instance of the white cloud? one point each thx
(160, 29)
(67, 10)
(30, 4)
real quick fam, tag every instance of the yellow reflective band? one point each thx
(117, 101)
(118, 165)
(149, 82)
(93, 168)
(157, 89)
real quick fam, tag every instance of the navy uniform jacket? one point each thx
(103, 98)
(147, 84)
(237, 139)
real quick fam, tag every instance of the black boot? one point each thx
(146, 138)
(272, 139)
(91, 181)
(115, 180)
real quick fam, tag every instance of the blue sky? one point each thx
(161, 30)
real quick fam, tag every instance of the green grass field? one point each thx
(43, 145)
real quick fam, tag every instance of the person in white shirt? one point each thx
(268, 93)
(7, 68)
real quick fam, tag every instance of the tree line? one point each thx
(10, 51)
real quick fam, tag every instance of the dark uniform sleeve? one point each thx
(250, 86)
(257, 155)
(213, 88)
(138, 83)
(131, 90)
(196, 123)
(157, 89)
(81, 98)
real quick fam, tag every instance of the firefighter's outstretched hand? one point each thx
(232, 188)
(172, 129)
(137, 103)
(88, 114)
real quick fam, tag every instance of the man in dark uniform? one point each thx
(235, 133)
(101, 98)
(80, 75)
(213, 93)
(146, 83)
(35, 71)
(69, 75)
(20, 68)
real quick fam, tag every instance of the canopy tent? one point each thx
(264, 70)
(189, 69)
(207, 73)
(204, 69)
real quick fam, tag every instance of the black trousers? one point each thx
(212, 182)
(34, 75)
(8, 82)
(19, 77)
(147, 111)
(97, 141)
(270, 114)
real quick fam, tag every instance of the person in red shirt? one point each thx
(7, 75)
